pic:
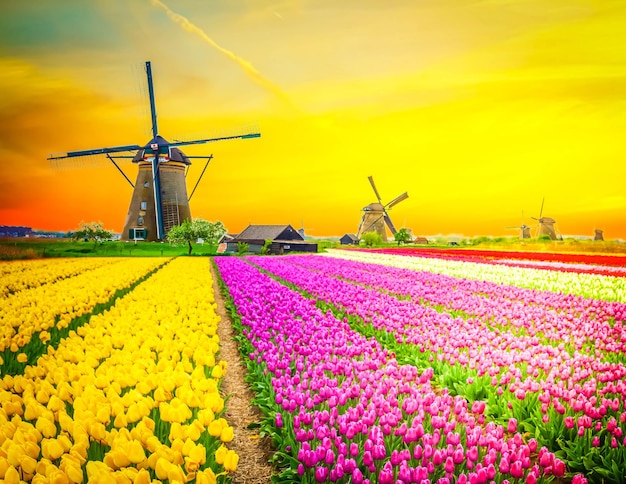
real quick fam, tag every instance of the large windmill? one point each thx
(375, 215)
(159, 199)
(546, 224)
(524, 230)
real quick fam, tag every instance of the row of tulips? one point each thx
(569, 395)
(35, 311)
(617, 261)
(592, 286)
(132, 396)
(19, 275)
(571, 320)
(344, 410)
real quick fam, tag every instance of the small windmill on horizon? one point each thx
(546, 224)
(159, 200)
(375, 215)
(524, 230)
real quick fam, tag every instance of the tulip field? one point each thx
(405, 367)
(369, 366)
(110, 374)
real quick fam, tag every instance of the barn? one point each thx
(284, 239)
(349, 239)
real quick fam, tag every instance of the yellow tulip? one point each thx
(31, 449)
(217, 372)
(227, 434)
(136, 453)
(11, 476)
(51, 449)
(142, 477)
(231, 461)
(13, 453)
(42, 396)
(59, 477)
(97, 430)
(65, 442)
(162, 468)
(206, 477)
(74, 473)
(55, 404)
(4, 466)
(120, 421)
(104, 414)
(176, 431)
(220, 454)
(215, 428)
(175, 473)
(28, 464)
(120, 459)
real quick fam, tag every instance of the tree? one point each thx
(402, 236)
(92, 231)
(242, 248)
(190, 231)
(266, 247)
(372, 238)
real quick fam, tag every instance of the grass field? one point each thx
(30, 248)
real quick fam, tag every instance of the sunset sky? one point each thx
(478, 109)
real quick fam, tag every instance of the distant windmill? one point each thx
(375, 215)
(546, 224)
(524, 230)
(598, 234)
(159, 199)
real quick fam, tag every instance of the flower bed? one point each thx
(593, 286)
(132, 396)
(553, 362)
(343, 409)
(29, 318)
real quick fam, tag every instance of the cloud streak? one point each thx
(247, 66)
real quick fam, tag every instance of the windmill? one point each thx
(524, 230)
(598, 234)
(159, 200)
(546, 224)
(375, 215)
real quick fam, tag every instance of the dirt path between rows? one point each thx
(254, 452)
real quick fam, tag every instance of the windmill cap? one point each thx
(173, 153)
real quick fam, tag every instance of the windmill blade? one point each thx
(397, 200)
(211, 140)
(541, 211)
(153, 115)
(371, 179)
(97, 151)
(390, 224)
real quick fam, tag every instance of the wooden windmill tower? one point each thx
(524, 230)
(159, 199)
(546, 224)
(598, 234)
(375, 215)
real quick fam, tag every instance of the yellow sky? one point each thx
(478, 109)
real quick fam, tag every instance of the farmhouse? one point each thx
(349, 239)
(284, 239)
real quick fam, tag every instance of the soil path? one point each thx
(254, 452)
